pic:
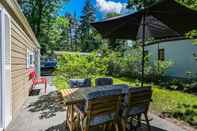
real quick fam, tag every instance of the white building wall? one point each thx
(180, 53)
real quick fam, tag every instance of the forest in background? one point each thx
(68, 33)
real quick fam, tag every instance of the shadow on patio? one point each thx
(47, 105)
(61, 127)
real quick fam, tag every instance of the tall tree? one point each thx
(39, 14)
(86, 30)
(73, 24)
(56, 35)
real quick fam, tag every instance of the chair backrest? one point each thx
(79, 83)
(104, 103)
(104, 81)
(32, 74)
(139, 99)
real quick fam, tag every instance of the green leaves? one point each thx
(73, 66)
(41, 15)
(140, 4)
(87, 35)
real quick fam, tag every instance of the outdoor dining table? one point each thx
(73, 96)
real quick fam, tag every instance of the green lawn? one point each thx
(174, 104)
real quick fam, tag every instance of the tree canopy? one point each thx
(68, 33)
(140, 4)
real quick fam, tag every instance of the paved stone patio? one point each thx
(45, 112)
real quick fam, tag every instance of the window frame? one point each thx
(30, 59)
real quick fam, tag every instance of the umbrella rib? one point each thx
(163, 29)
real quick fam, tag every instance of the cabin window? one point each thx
(161, 54)
(30, 59)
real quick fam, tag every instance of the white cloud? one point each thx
(110, 6)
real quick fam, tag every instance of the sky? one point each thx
(102, 7)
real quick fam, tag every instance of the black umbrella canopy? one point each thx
(164, 19)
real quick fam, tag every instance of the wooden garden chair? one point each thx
(76, 83)
(100, 109)
(136, 104)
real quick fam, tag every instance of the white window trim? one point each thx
(5, 118)
(30, 64)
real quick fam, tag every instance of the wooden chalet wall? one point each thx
(22, 39)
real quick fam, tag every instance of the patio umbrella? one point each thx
(163, 20)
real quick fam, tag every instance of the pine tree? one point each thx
(86, 30)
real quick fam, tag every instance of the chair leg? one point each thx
(147, 121)
(116, 126)
(124, 123)
(31, 89)
(86, 129)
(45, 89)
(77, 122)
(139, 120)
(104, 127)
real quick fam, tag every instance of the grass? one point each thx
(181, 106)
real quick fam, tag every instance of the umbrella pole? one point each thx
(143, 50)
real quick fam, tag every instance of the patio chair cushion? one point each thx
(124, 87)
(142, 103)
(77, 83)
(101, 119)
(80, 108)
(104, 92)
(104, 81)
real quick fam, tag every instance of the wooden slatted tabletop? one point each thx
(75, 95)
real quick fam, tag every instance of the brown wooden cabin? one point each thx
(19, 52)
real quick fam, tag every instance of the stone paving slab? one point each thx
(45, 112)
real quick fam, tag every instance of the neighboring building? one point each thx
(180, 52)
(19, 51)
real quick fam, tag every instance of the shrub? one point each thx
(75, 66)
(108, 62)
(157, 70)
(128, 64)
